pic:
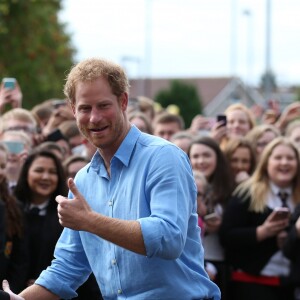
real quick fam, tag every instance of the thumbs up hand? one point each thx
(74, 213)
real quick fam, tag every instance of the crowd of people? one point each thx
(245, 169)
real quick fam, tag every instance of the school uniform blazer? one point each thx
(13, 256)
(50, 230)
(238, 236)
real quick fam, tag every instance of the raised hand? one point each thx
(12, 96)
(218, 131)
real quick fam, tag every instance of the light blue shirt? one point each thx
(151, 181)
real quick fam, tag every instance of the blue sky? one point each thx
(188, 38)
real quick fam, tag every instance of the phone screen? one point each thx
(9, 83)
(281, 214)
(55, 136)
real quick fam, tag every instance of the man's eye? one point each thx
(83, 109)
(104, 105)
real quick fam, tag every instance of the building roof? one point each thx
(207, 88)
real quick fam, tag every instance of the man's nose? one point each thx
(95, 116)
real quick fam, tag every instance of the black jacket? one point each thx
(13, 256)
(238, 236)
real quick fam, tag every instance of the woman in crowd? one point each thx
(241, 158)
(13, 250)
(41, 180)
(240, 120)
(207, 158)
(252, 230)
(201, 184)
(260, 136)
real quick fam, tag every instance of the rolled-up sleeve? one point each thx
(172, 193)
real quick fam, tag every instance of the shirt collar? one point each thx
(276, 189)
(124, 152)
(40, 206)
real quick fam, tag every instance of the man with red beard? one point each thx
(131, 213)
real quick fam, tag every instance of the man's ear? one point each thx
(124, 101)
(72, 105)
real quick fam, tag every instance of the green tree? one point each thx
(183, 95)
(297, 92)
(34, 48)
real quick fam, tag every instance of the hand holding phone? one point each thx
(9, 83)
(10, 93)
(281, 213)
(55, 136)
(222, 119)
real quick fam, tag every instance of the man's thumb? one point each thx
(73, 188)
(5, 286)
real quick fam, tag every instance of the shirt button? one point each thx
(110, 203)
(119, 291)
(113, 261)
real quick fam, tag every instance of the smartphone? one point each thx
(9, 83)
(213, 217)
(222, 118)
(281, 213)
(55, 136)
(14, 147)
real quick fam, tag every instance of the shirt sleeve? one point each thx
(70, 268)
(171, 190)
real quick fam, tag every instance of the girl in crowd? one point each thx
(241, 158)
(239, 120)
(41, 180)
(201, 184)
(252, 231)
(13, 260)
(206, 156)
(260, 136)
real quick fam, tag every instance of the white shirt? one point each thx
(278, 263)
